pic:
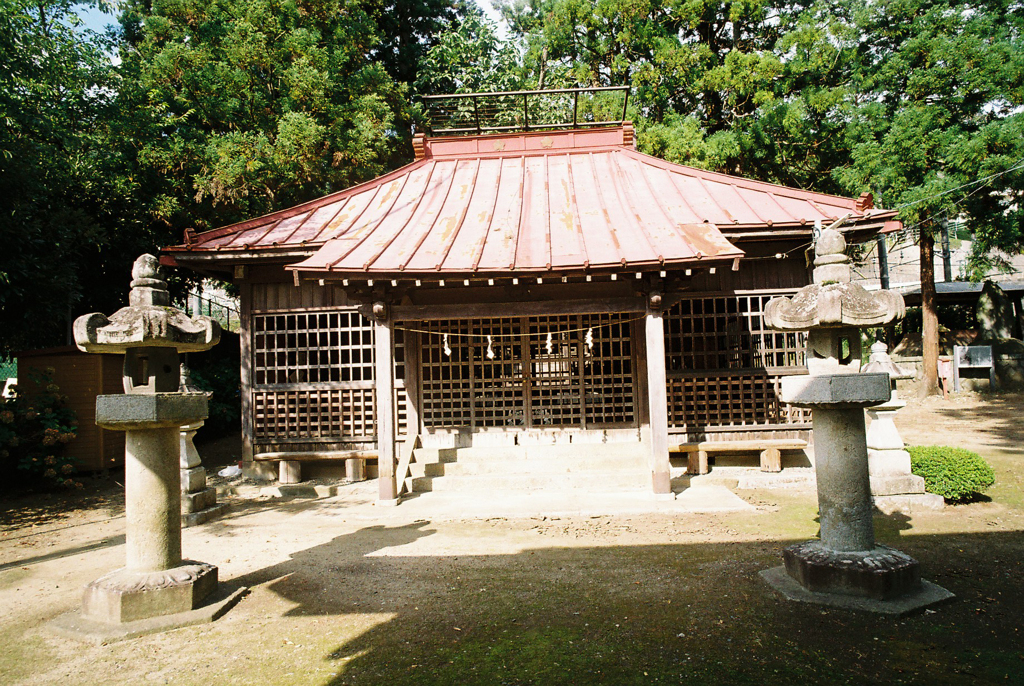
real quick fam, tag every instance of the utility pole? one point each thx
(883, 261)
(947, 264)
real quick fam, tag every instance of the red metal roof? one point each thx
(528, 202)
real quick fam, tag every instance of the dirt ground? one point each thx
(347, 593)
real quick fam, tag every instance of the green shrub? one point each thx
(34, 428)
(954, 473)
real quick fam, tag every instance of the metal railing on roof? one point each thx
(225, 313)
(8, 368)
(537, 110)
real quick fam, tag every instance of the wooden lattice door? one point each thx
(529, 372)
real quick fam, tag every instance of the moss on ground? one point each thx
(651, 599)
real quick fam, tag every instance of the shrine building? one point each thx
(516, 289)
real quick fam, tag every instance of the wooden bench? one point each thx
(769, 449)
(355, 462)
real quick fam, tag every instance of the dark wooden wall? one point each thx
(81, 376)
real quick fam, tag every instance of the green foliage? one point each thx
(940, 85)
(755, 88)
(256, 104)
(470, 58)
(407, 29)
(954, 473)
(62, 191)
(35, 425)
(220, 110)
(213, 112)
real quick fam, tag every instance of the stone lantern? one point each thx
(893, 486)
(156, 589)
(846, 567)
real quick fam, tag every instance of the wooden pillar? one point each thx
(384, 407)
(657, 397)
(245, 381)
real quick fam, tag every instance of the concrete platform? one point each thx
(361, 500)
(441, 505)
(929, 595)
(74, 625)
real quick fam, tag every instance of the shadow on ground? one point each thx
(997, 417)
(17, 511)
(688, 613)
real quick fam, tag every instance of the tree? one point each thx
(917, 100)
(470, 58)
(754, 88)
(408, 29)
(59, 185)
(255, 104)
(937, 123)
(218, 111)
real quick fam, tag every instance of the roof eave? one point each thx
(553, 272)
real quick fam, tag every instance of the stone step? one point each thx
(198, 501)
(754, 478)
(530, 453)
(528, 467)
(202, 516)
(580, 464)
(528, 482)
(541, 437)
(434, 455)
(427, 469)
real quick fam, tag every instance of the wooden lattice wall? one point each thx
(724, 366)
(313, 377)
(310, 356)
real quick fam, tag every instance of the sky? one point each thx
(94, 19)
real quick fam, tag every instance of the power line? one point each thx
(1019, 164)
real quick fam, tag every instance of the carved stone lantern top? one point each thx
(148, 321)
(832, 301)
(879, 361)
(149, 332)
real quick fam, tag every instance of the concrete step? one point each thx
(427, 469)
(529, 468)
(529, 482)
(433, 455)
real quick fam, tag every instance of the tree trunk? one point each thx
(929, 316)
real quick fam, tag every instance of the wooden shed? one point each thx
(515, 288)
(81, 377)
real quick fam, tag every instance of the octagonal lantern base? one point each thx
(882, 573)
(881, 580)
(125, 596)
